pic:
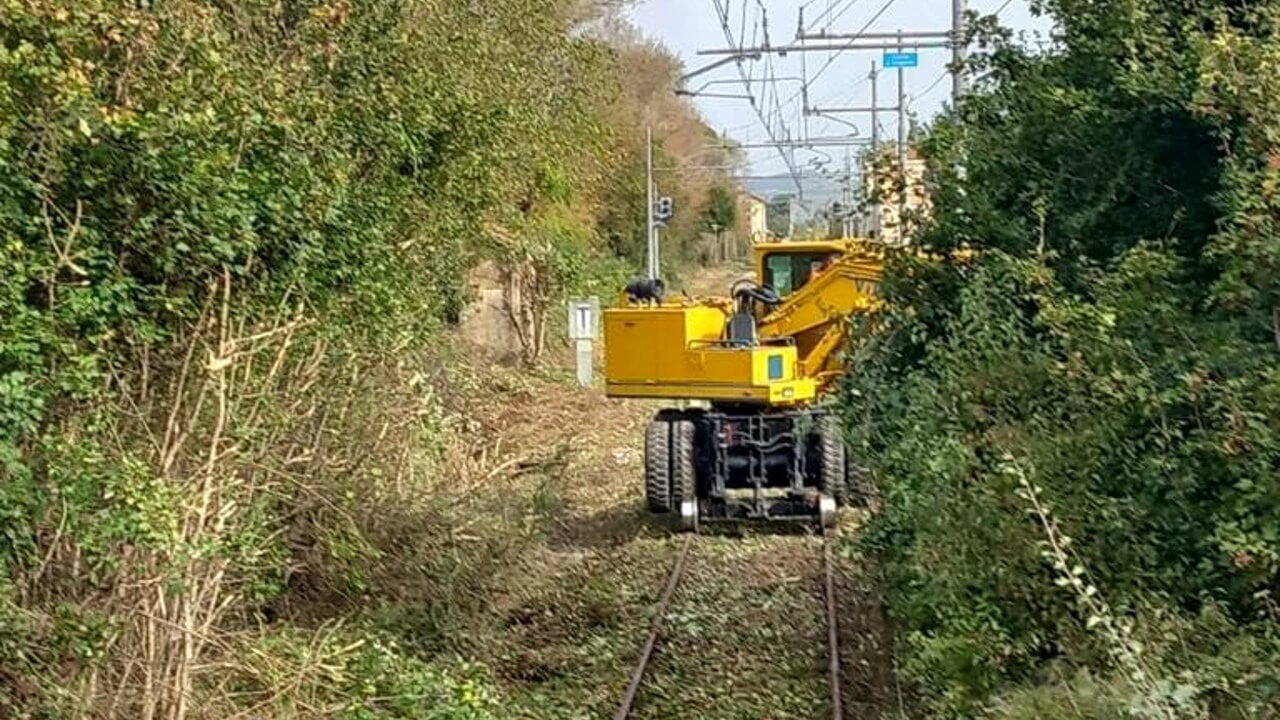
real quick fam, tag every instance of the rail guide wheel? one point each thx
(826, 512)
(689, 515)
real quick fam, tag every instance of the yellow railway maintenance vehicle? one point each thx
(754, 444)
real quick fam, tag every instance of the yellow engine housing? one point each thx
(674, 351)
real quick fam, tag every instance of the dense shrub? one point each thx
(231, 235)
(1075, 435)
(1029, 398)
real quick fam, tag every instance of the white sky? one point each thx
(686, 26)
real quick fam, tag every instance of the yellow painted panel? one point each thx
(671, 351)
(791, 393)
(651, 344)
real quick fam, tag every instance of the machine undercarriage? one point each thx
(748, 464)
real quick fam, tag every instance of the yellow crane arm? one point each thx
(816, 315)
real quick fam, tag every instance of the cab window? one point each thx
(785, 273)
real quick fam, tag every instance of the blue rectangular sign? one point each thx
(901, 60)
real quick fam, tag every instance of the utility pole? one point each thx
(846, 221)
(959, 50)
(902, 117)
(959, 59)
(902, 148)
(651, 236)
(875, 147)
(875, 108)
(804, 85)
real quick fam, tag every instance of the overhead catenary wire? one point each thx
(785, 121)
(831, 60)
(722, 12)
(826, 16)
(932, 86)
(770, 111)
(947, 71)
(808, 82)
(836, 17)
(847, 96)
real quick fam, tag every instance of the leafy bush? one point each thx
(1075, 435)
(1138, 449)
(232, 235)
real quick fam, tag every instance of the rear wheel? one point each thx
(684, 479)
(657, 465)
(832, 459)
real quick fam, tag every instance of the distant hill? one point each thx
(817, 190)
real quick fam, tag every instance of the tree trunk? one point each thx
(526, 305)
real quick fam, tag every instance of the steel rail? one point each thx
(664, 602)
(833, 635)
(637, 676)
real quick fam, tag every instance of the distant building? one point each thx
(754, 212)
(884, 187)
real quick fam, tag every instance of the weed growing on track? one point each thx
(747, 634)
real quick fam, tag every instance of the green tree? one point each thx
(230, 237)
(780, 208)
(720, 212)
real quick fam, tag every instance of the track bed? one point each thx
(746, 634)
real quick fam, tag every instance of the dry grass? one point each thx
(715, 282)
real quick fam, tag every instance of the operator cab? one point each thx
(781, 269)
(786, 270)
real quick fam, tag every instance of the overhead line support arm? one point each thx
(719, 63)
(909, 34)
(828, 47)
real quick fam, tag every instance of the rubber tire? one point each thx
(683, 468)
(832, 472)
(657, 465)
(684, 478)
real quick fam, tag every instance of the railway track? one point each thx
(627, 705)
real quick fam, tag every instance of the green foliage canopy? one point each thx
(341, 163)
(1116, 341)
(721, 209)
